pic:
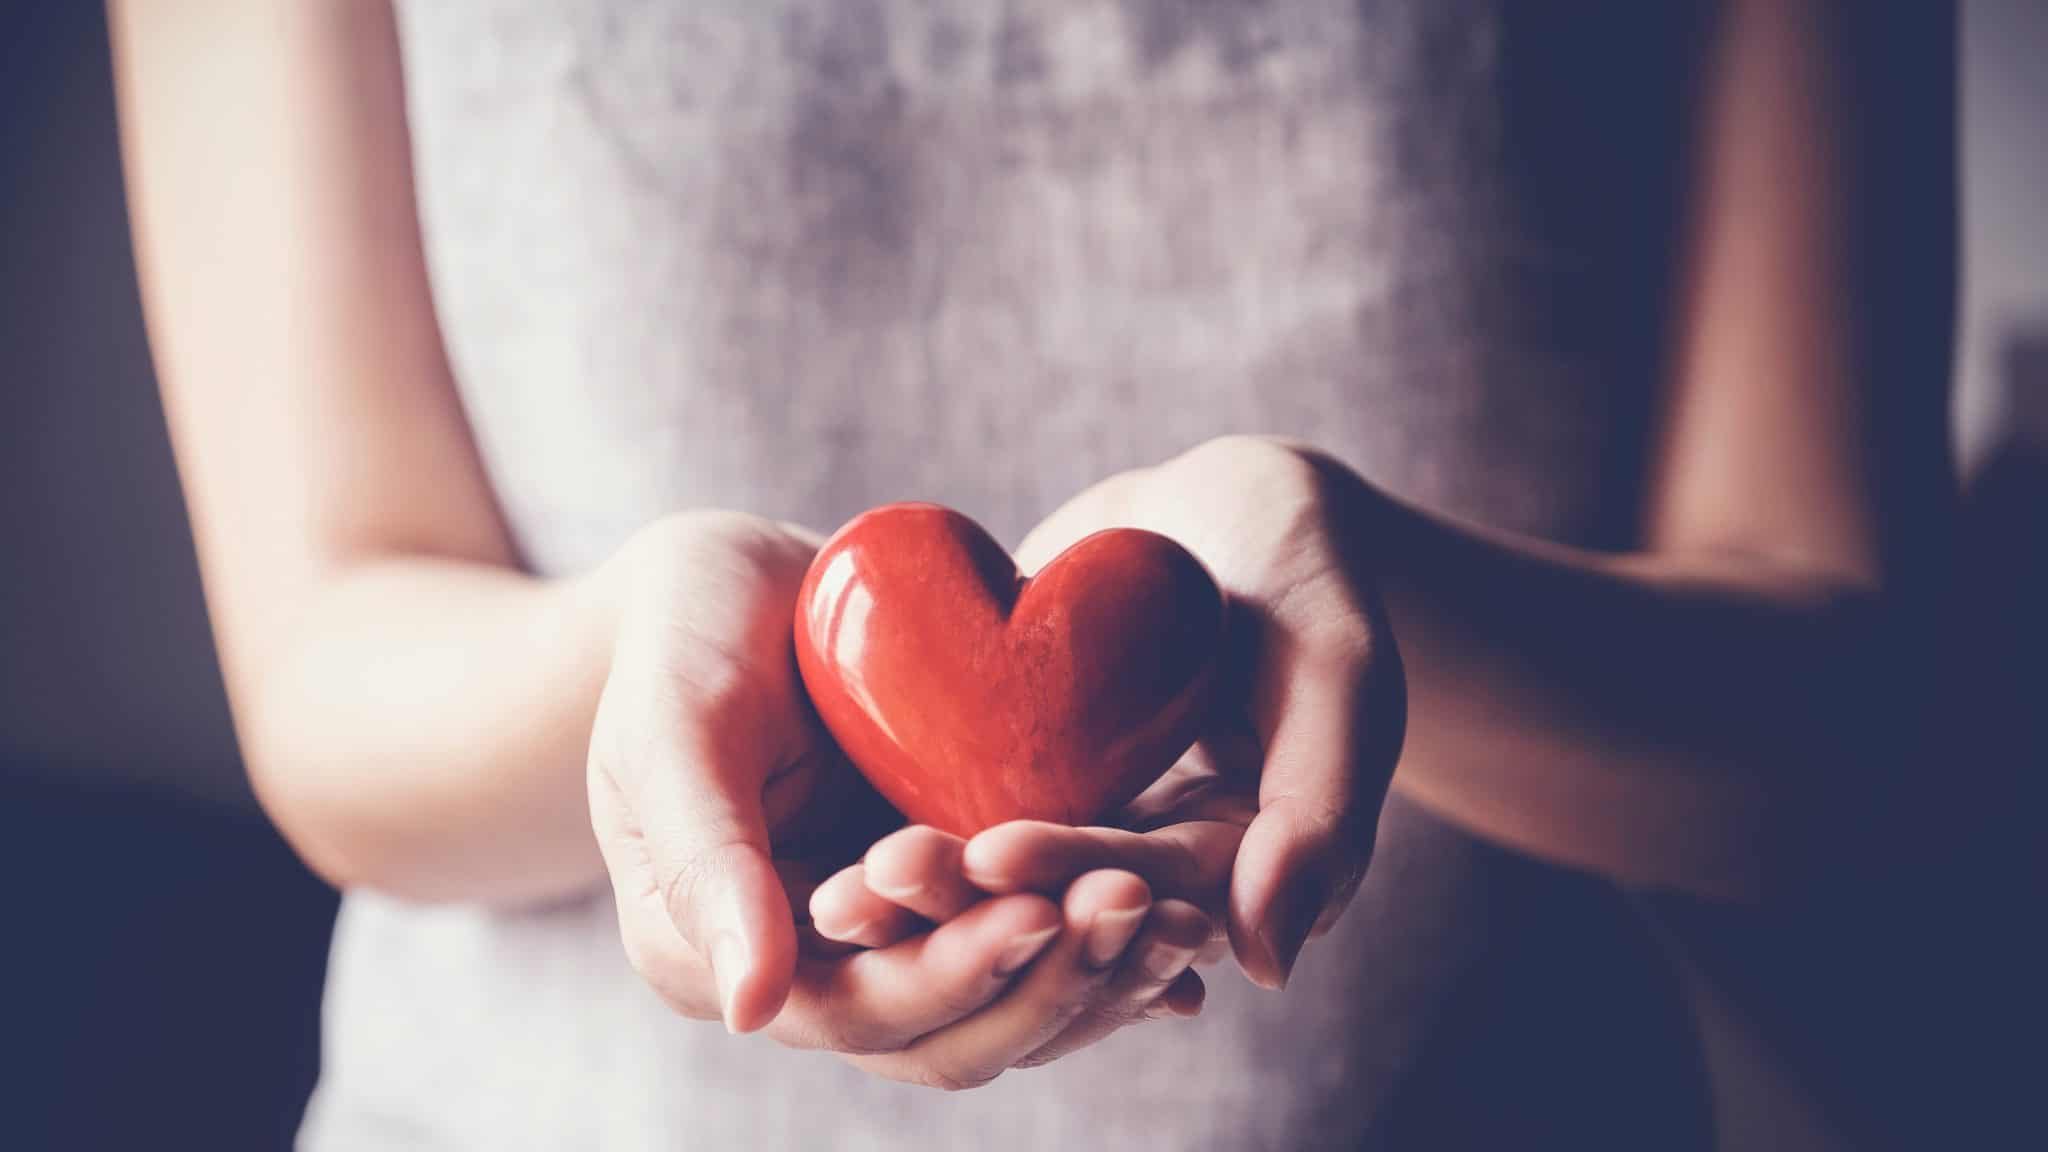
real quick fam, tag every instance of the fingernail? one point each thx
(1110, 934)
(1295, 915)
(728, 963)
(1023, 950)
(1163, 962)
(1161, 1007)
(1340, 899)
(897, 895)
(849, 932)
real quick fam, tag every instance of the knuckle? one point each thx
(680, 888)
(959, 997)
(1317, 817)
(1340, 634)
(693, 532)
(1325, 619)
(1277, 473)
(742, 575)
(1182, 872)
(1261, 454)
(735, 543)
(1111, 1015)
(1179, 924)
(691, 874)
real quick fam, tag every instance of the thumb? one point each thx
(707, 843)
(1331, 718)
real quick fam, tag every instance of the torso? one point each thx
(801, 258)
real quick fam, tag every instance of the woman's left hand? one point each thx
(1268, 822)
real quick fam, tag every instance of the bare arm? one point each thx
(414, 711)
(419, 716)
(1664, 716)
(1713, 712)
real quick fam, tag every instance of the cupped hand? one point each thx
(917, 876)
(1268, 823)
(718, 801)
(1312, 707)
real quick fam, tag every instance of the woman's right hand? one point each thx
(718, 802)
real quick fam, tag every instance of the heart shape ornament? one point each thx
(970, 695)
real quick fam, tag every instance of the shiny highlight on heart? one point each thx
(970, 695)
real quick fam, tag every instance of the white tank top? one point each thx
(801, 257)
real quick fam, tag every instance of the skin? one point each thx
(421, 717)
(1660, 717)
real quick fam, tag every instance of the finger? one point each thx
(1164, 800)
(699, 812)
(919, 868)
(811, 943)
(1173, 931)
(800, 883)
(881, 1000)
(1220, 772)
(1186, 861)
(701, 715)
(843, 909)
(1334, 909)
(1103, 911)
(799, 879)
(653, 946)
(1331, 715)
(1182, 998)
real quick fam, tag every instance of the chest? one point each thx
(802, 257)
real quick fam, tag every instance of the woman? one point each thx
(504, 368)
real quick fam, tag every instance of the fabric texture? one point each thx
(801, 257)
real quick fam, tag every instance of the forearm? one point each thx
(1649, 717)
(414, 713)
(423, 728)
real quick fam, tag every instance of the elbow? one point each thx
(398, 832)
(1843, 792)
(1853, 687)
(1804, 763)
(322, 816)
(321, 837)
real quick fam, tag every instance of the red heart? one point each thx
(970, 695)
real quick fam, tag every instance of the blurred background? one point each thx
(163, 952)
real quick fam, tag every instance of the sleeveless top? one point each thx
(801, 257)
